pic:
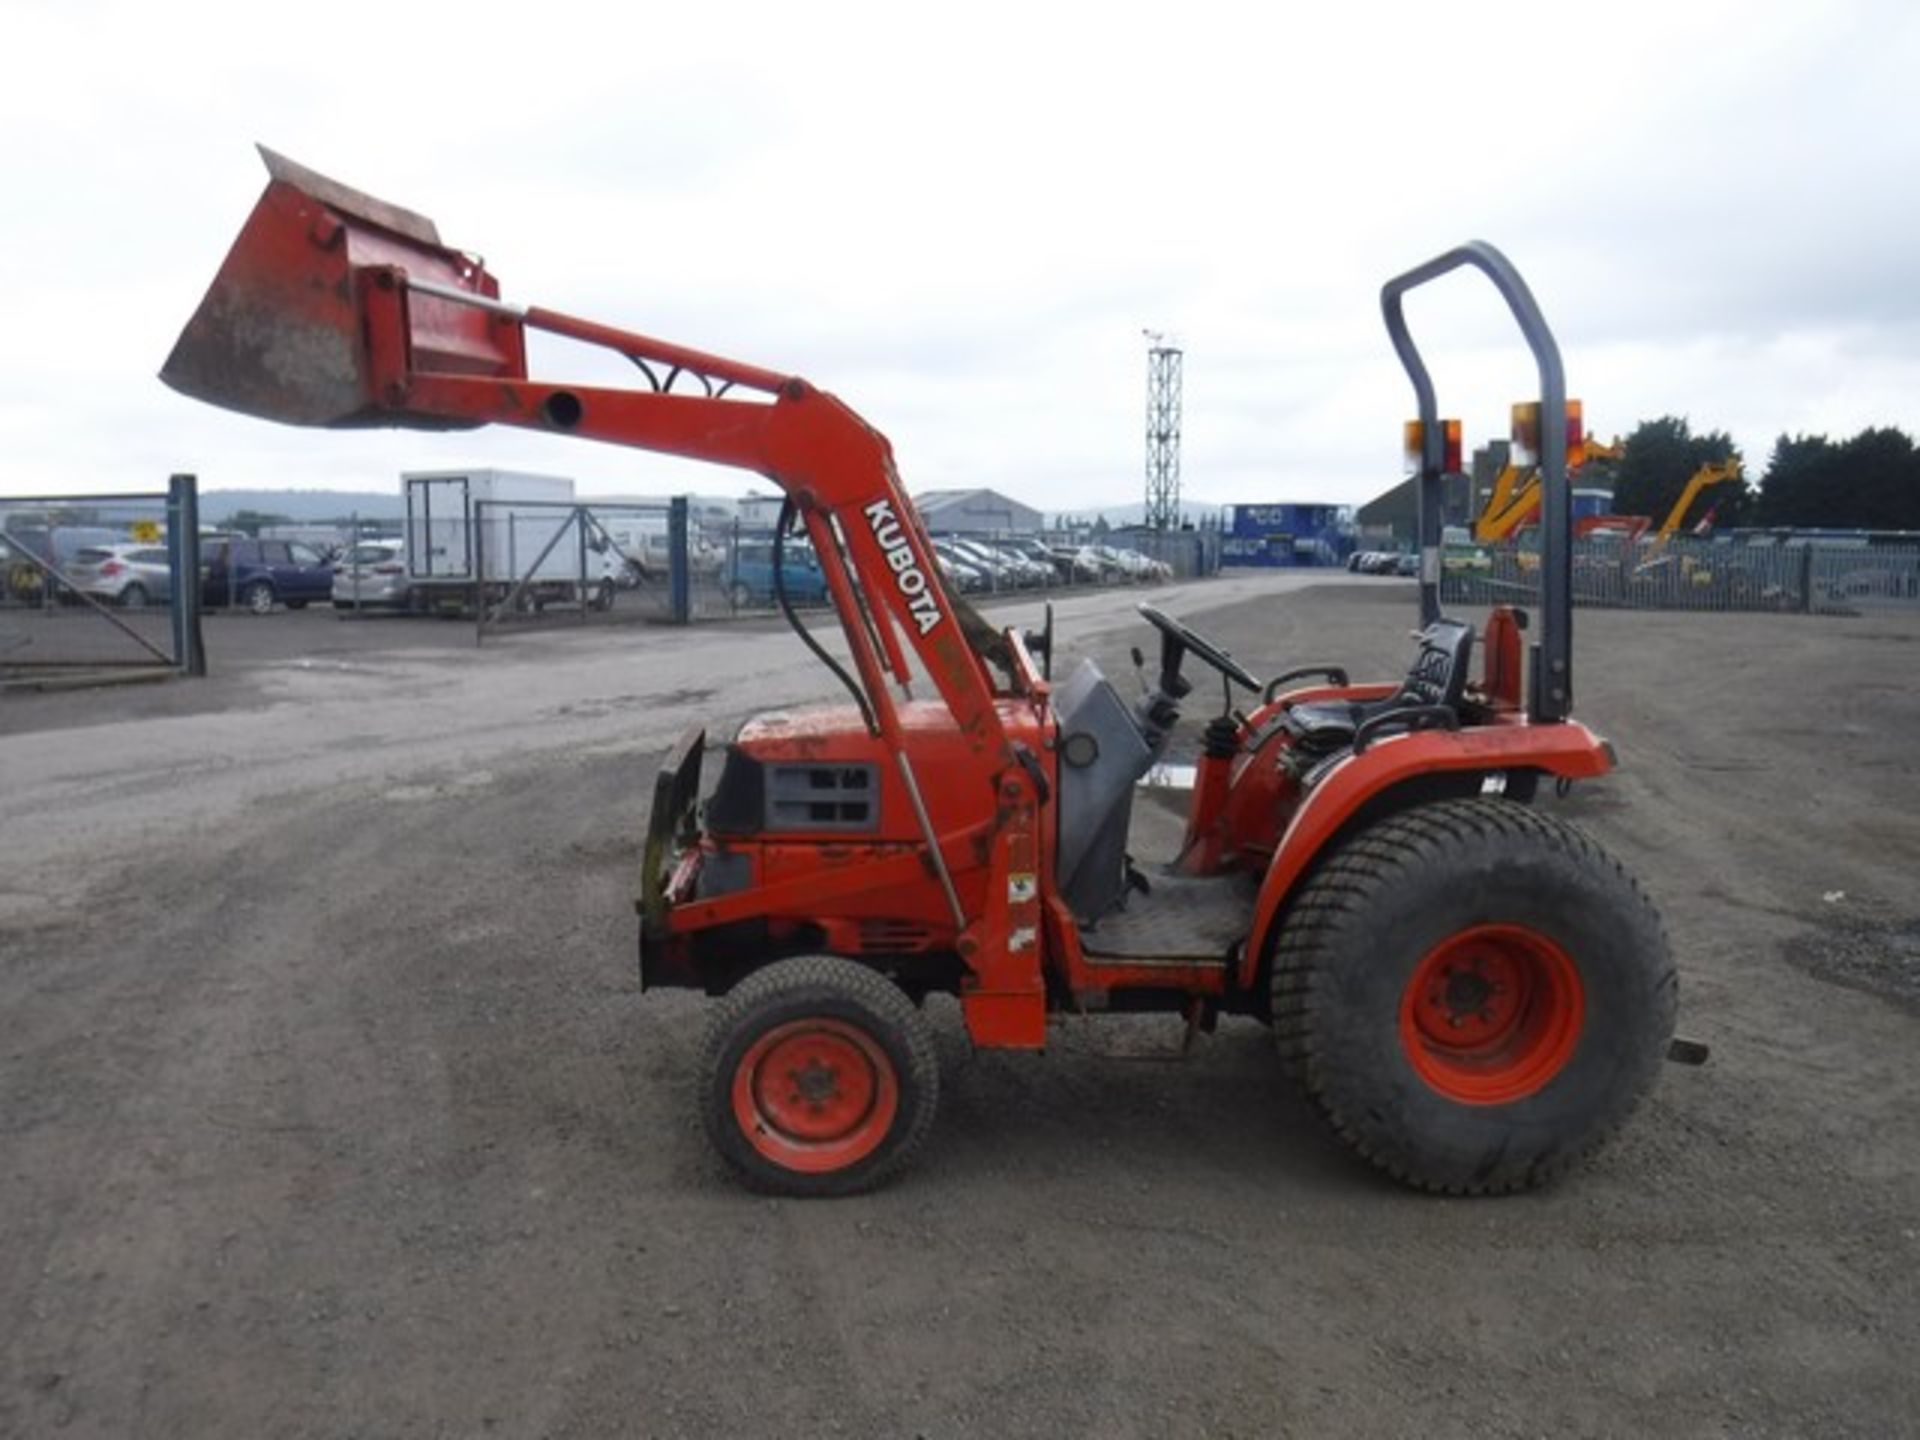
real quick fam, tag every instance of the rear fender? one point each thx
(1406, 767)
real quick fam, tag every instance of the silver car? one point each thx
(371, 576)
(131, 575)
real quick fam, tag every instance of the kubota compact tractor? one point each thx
(1471, 992)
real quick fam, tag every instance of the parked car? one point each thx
(999, 570)
(259, 574)
(749, 574)
(1467, 559)
(1041, 562)
(1129, 565)
(1144, 568)
(1033, 571)
(1105, 569)
(372, 576)
(55, 545)
(645, 553)
(1072, 567)
(962, 570)
(129, 575)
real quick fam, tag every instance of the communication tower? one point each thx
(1163, 432)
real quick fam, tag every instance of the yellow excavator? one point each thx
(1693, 569)
(1714, 472)
(1515, 500)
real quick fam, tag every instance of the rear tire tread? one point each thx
(1357, 875)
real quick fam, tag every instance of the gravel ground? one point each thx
(330, 1108)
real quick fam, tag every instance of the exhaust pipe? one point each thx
(283, 333)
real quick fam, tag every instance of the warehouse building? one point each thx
(975, 512)
(1392, 519)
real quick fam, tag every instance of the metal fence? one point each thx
(535, 562)
(731, 566)
(100, 586)
(1189, 554)
(1696, 575)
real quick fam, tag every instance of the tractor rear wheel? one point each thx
(1474, 995)
(819, 1078)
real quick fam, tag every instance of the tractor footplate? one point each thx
(1188, 919)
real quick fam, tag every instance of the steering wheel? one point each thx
(1181, 638)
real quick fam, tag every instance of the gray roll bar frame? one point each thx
(1550, 681)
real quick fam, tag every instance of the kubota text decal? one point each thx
(907, 573)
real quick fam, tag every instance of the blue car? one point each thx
(749, 575)
(259, 574)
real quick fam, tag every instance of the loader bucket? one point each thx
(283, 332)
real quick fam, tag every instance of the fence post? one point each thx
(183, 559)
(476, 568)
(679, 566)
(1806, 579)
(580, 589)
(733, 568)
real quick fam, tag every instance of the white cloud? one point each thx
(960, 221)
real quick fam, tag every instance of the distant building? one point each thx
(1287, 533)
(1393, 515)
(975, 512)
(758, 512)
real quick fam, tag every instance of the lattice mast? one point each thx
(1163, 432)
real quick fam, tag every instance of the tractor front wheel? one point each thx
(1474, 995)
(819, 1078)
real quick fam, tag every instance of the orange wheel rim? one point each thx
(815, 1095)
(1492, 1014)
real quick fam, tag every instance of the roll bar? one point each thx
(1550, 694)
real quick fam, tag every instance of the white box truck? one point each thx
(644, 541)
(483, 536)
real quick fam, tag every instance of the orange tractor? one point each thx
(1471, 992)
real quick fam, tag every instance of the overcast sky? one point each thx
(960, 218)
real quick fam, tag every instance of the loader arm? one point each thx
(1515, 500)
(337, 310)
(1708, 475)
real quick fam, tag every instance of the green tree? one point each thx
(1660, 457)
(1871, 481)
(1799, 481)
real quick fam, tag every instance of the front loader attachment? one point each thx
(288, 330)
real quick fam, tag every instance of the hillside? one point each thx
(303, 506)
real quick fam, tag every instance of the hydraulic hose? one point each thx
(793, 619)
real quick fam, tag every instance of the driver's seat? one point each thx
(1438, 677)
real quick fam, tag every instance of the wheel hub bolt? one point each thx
(815, 1084)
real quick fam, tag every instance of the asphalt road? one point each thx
(329, 1106)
